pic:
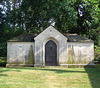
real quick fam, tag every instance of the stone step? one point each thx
(55, 67)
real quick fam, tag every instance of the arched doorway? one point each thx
(50, 53)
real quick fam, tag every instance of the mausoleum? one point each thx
(50, 48)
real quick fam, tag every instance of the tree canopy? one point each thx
(33, 16)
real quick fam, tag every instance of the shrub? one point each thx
(3, 61)
(96, 53)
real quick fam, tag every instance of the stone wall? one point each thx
(50, 34)
(80, 53)
(20, 53)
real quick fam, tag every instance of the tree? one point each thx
(12, 13)
(85, 13)
(6, 26)
(2, 30)
(33, 16)
(74, 16)
(2, 21)
(42, 13)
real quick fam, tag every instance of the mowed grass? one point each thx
(29, 77)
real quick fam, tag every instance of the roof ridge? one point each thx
(25, 37)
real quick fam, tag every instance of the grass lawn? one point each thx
(29, 77)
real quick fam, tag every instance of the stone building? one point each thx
(50, 48)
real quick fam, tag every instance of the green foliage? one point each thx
(8, 34)
(94, 34)
(8, 27)
(42, 13)
(97, 53)
(88, 13)
(33, 16)
(3, 49)
(3, 61)
(74, 16)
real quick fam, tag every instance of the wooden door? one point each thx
(50, 53)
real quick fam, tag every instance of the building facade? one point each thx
(50, 48)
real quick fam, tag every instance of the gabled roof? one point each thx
(77, 38)
(24, 38)
(50, 32)
(30, 38)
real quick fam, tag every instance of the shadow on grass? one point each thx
(6, 70)
(56, 70)
(9, 70)
(60, 70)
(94, 76)
(3, 75)
(93, 73)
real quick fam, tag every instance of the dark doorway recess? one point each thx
(50, 53)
